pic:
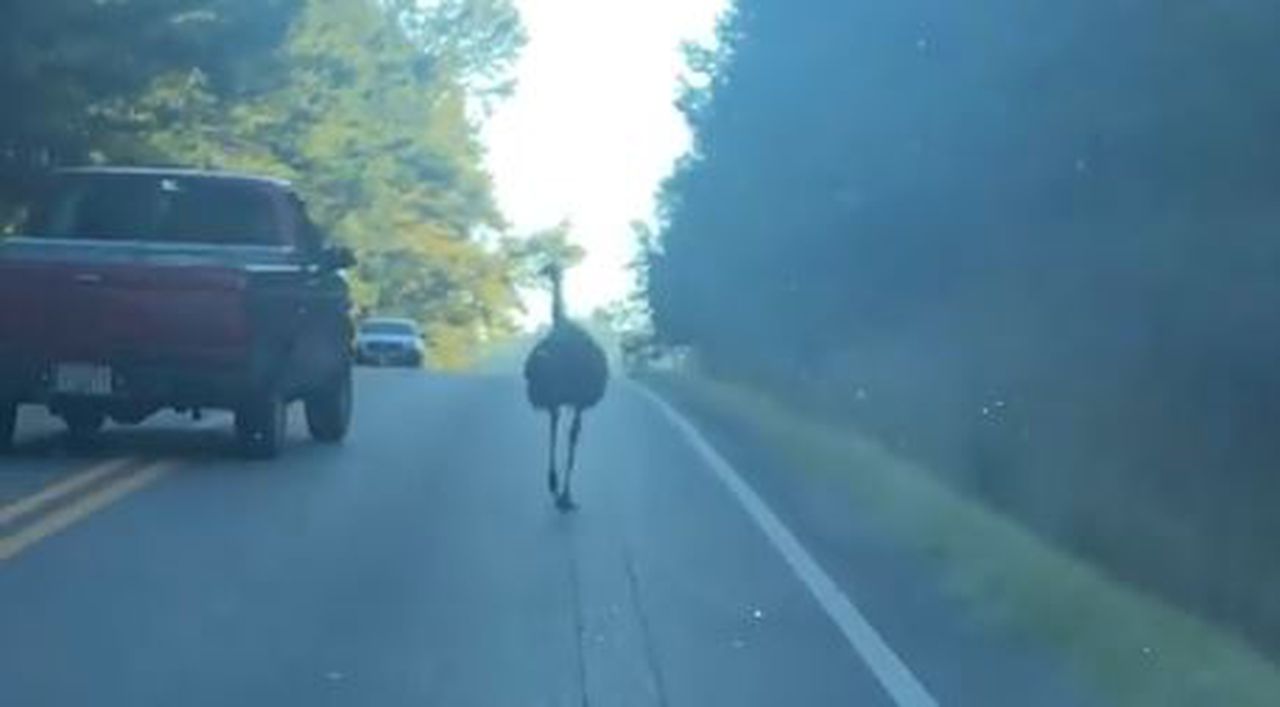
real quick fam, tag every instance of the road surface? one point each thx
(422, 563)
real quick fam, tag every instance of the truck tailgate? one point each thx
(123, 311)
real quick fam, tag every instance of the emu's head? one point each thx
(553, 272)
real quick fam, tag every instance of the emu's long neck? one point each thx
(557, 302)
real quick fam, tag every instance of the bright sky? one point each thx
(592, 128)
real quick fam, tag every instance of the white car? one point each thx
(386, 341)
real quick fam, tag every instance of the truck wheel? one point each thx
(83, 426)
(329, 410)
(261, 426)
(8, 425)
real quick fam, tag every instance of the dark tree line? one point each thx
(1033, 243)
(68, 68)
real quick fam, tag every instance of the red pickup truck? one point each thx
(134, 290)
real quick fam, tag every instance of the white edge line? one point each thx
(890, 671)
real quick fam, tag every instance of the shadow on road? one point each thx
(114, 443)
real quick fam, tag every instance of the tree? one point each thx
(477, 40)
(531, 255)
(1059, 207)
(70, 71)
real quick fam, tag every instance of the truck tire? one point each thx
(261, 425)
(329, 409)
(8, 425)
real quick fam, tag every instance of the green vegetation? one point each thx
(1030, 246)
(1133, 647)
(366, 105)
(533, 254)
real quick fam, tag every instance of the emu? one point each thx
(565, 371)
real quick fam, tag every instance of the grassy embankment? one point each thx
(1132, 648)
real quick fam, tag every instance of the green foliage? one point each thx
(477, 39)
(68, 69)
(365, 105)
(532, 255)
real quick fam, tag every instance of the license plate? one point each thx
(81, 379)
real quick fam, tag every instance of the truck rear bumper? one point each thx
(398, 357)
(135, 385)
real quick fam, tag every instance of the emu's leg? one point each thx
(575, 429)
(552, 484)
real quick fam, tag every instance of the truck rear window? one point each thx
(158, 208)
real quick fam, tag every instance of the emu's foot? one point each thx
(553, 484)
(565, 503)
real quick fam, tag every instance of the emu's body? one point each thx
(566, 371)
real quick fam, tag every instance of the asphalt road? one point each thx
(422, 563)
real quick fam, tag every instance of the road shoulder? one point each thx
(957, 654)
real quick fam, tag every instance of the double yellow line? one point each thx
(63, 504)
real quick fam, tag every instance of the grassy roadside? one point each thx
(1133, 648)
